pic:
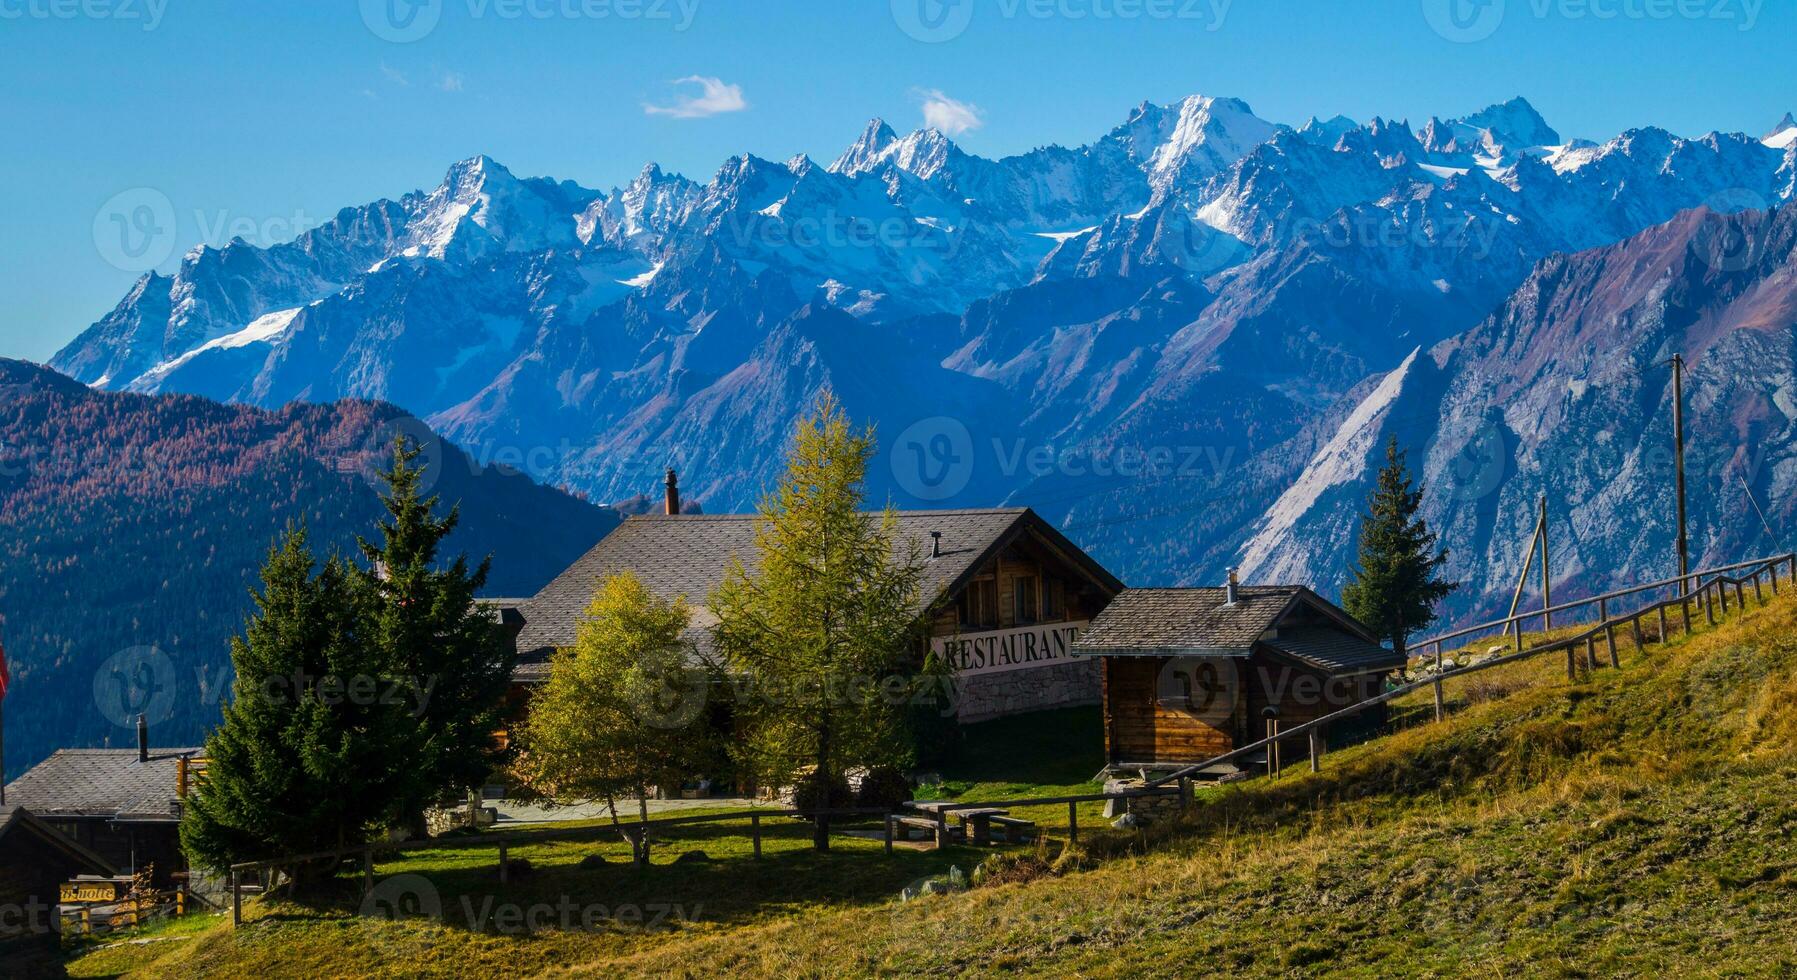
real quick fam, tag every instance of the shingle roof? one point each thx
(1188, 621)
(1333, 650)
(102, 783)
(688, 554)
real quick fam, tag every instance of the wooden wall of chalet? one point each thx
(1022, 559)
(1272, 673)
(1139, 727)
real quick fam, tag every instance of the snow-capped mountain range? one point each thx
(1198, 288)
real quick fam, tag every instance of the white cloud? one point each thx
(715, 97)
(394, 75)
(450, 81)
(951, 116)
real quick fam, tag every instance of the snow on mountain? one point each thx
(1197, 277)
(1783, 135)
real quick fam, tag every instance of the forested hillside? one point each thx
(132, 527)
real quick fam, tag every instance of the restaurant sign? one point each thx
(969, 654)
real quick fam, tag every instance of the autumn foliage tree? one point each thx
(827, 610)
(622, 711)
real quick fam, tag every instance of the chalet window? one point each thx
(979, 604)
(1054, 599)
(1025, 599)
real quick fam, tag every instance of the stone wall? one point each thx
(1058, 685)
(1146, 809)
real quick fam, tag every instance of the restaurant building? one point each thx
(1005, 596)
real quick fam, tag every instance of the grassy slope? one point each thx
(1635, 822)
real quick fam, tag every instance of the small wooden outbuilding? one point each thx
(35, 859)
(1191, 674)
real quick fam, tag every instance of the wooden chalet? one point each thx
(122, 804)
(1190, 674)
(1005, 595)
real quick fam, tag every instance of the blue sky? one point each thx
(260, 118)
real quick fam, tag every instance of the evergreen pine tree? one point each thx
(603, 727)
(430, 631)
(306, 749)
(1395, 583)
(828, 612)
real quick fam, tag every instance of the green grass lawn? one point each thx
(1633, 822)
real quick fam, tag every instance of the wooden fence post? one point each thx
(1441, 710)
(1572, 664)
(1758, 595)
(1591, 652)
(1740, 597)
(1603, 613)
(1316, 738)
(755, 833)
(1185, 793)
(889, 818)
(1635, 624)
(1709, 606)
(1073, 821)
(1663, 635)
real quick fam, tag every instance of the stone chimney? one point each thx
(143, 739)
(673, 492)
(935, 544)
(1229, 589)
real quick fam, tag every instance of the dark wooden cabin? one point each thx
(1190, 674)
(35, 859)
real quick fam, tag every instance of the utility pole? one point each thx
(1547, 580)
(1678, 442)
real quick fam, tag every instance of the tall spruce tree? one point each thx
(828, 612)
(623, 708)
(429, 630)
(307, 747)
(1395, 583)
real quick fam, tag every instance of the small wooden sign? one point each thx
(92, 892)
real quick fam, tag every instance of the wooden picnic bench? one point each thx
(930, 825)
(976, 822)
